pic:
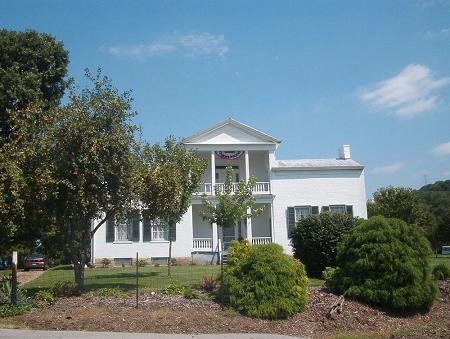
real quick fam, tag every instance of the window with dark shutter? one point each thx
(135, 227)
(314, 209)
(173, 232)
(325, 208)
(110, 230)
(290, 220)
(349, 209)
(147, 229)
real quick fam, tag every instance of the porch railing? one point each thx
(261, 240)
(202, 243)
(207, 188)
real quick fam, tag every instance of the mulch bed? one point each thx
(174, 314)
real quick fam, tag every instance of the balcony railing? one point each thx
(261, 240)
(207, 188)
(202, 243)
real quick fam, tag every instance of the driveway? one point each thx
(25, 334)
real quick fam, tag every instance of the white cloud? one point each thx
(191, 45)
(410, 92)
(388, 169)
(442, 150)
(443, 33)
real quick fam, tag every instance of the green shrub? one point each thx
(142, 262)
(262, 281)
(44, 296)
(441, 272)
(5, 291)
(327, 273)
(65, 289)
(110, 292)
(173, 288)
(315, 240)
(385, 262)
(106, 262)
(12, 310)
(190, 293)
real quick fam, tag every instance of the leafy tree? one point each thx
(385, 262)
(261, 281)
(32, 70)
(437, 197)
(171, 175)
(94, 165)
(229, 208)
(315, 240)
(405, 204)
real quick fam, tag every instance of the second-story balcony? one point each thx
(208, 189)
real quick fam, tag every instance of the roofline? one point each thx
(252, 130)
(316, 168)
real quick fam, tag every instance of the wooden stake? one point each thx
(137, 280)
(14, 279)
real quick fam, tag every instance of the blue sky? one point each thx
(317, 74)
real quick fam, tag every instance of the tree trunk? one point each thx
(78, 268)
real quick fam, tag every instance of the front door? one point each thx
(228, 236)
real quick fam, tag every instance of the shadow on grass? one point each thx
(124, 275)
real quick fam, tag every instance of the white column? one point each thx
(249, 228)
(213, 171)
(247, 166)
(215, 237)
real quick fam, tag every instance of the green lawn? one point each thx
(150, 278)
(440, 259)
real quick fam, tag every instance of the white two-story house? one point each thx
(288, 189)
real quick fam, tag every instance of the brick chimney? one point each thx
(344, 152)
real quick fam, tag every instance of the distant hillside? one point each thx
(438, 186)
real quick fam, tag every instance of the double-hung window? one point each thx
(301, 212)
(338, 209)
(160, 230)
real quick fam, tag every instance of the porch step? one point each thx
(224, 258)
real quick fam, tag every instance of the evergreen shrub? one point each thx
(263, 282)
(385, 262)
(315, 240)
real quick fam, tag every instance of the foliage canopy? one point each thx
(385, 262)
(315, 240)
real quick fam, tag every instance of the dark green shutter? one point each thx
(147, 229)
(349, 209)
(110, 230)
(314, 209)
(290, 220)
(325, 208)
(135, 226)
(173, 232)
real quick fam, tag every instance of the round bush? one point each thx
(315, 240)
(385, 262)
(263, 282)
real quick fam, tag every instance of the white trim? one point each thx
(253, 131)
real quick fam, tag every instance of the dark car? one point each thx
(3, 263)
(35, 260)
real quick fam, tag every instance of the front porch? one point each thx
(257, 231)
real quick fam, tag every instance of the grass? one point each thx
(150, 278)
(440, 259)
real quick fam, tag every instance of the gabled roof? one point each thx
(306, 164)
(252, 135)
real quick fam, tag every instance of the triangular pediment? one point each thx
(230, 132)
